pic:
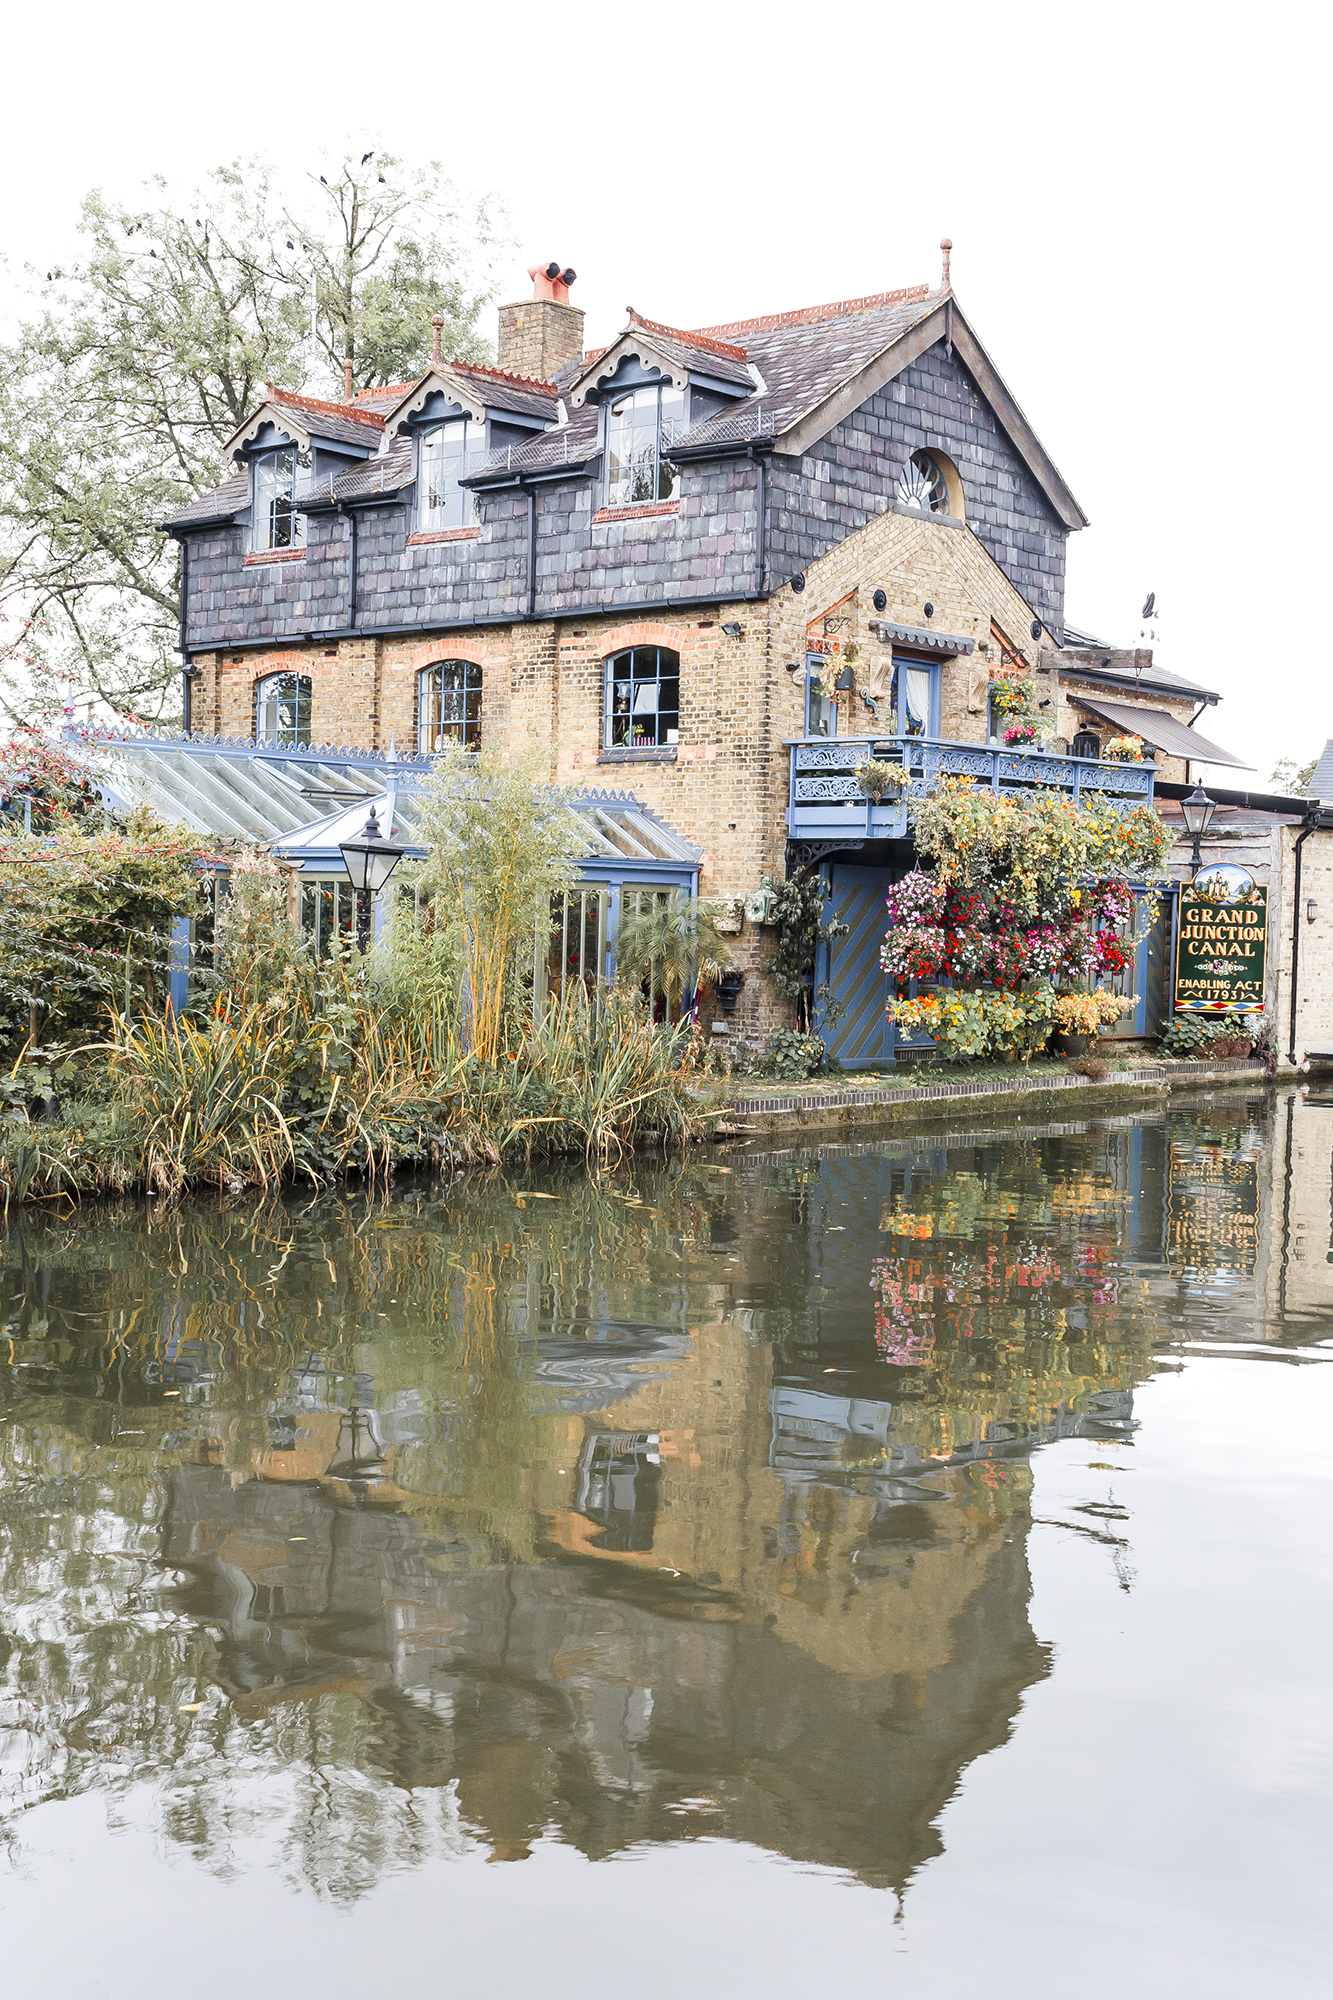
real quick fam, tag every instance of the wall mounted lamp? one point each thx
(793, 666)
(732, 629)
(1311, 911)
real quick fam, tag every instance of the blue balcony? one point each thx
(825, 801)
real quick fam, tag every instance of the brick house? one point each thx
(714, 567)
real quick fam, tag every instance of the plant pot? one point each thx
(1071, 1044)
(729, 990)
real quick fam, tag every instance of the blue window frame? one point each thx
(916, 695)
(821, 710)
(282, 711)
(642, 709)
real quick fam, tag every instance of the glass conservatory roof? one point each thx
(302, 803)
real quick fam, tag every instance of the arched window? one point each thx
(929, 484)
(449, 707)
(642, 698)
(282, 710)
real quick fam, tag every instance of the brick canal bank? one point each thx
(837, 1108)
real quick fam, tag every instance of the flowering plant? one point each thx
(1012, 694)
(1084, 1013)
(1026, 731)
(1123, 750)
(974, 1022)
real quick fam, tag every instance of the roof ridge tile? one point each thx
(347, 410)
(808, 315)
(703, 338)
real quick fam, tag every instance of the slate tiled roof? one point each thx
(232, 497)
(381, 475)
(1321, 783)
(805, 357)
(507, 392)
(1152, 680)
(569, 443)
(347, 423)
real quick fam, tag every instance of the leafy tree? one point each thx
(1292, 779)
(147, 353)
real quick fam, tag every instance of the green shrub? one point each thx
(1194, 1034)
(791, 1056)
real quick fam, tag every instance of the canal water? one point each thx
(899, 1567)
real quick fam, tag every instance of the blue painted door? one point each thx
(863, 1037)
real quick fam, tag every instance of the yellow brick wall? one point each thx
(727, 789)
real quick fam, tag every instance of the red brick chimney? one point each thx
(544, 335)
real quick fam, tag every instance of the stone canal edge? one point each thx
(794, 1108)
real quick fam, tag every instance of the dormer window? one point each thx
(277, 523)
(446, 453)
(641, 427)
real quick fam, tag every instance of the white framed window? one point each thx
(448, 707)
(642, 709)
(641, 427)
(444, 455)
(282, 710)
(277, 475)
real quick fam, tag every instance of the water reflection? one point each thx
(693, 1502)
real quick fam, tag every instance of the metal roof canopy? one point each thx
(1177, 739)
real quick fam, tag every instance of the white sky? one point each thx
(1132, 192)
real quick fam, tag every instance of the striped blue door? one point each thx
(863, 1037)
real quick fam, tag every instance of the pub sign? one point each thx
(1220, 943)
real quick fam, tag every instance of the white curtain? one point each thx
(916, 700)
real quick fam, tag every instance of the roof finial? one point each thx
(437, 328)
(946, 245)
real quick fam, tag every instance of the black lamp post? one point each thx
(369, 862)
(1197, 812)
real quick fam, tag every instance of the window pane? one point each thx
(631, 448)
(449, 707)
(444, 455)
(277, 484)
(643, 697)
(282, 710)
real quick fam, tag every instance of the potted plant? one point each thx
(1123, 750)
(1025, 734)
(877, 777)
(1078, 1017)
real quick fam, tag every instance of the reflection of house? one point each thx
(612, 1699)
